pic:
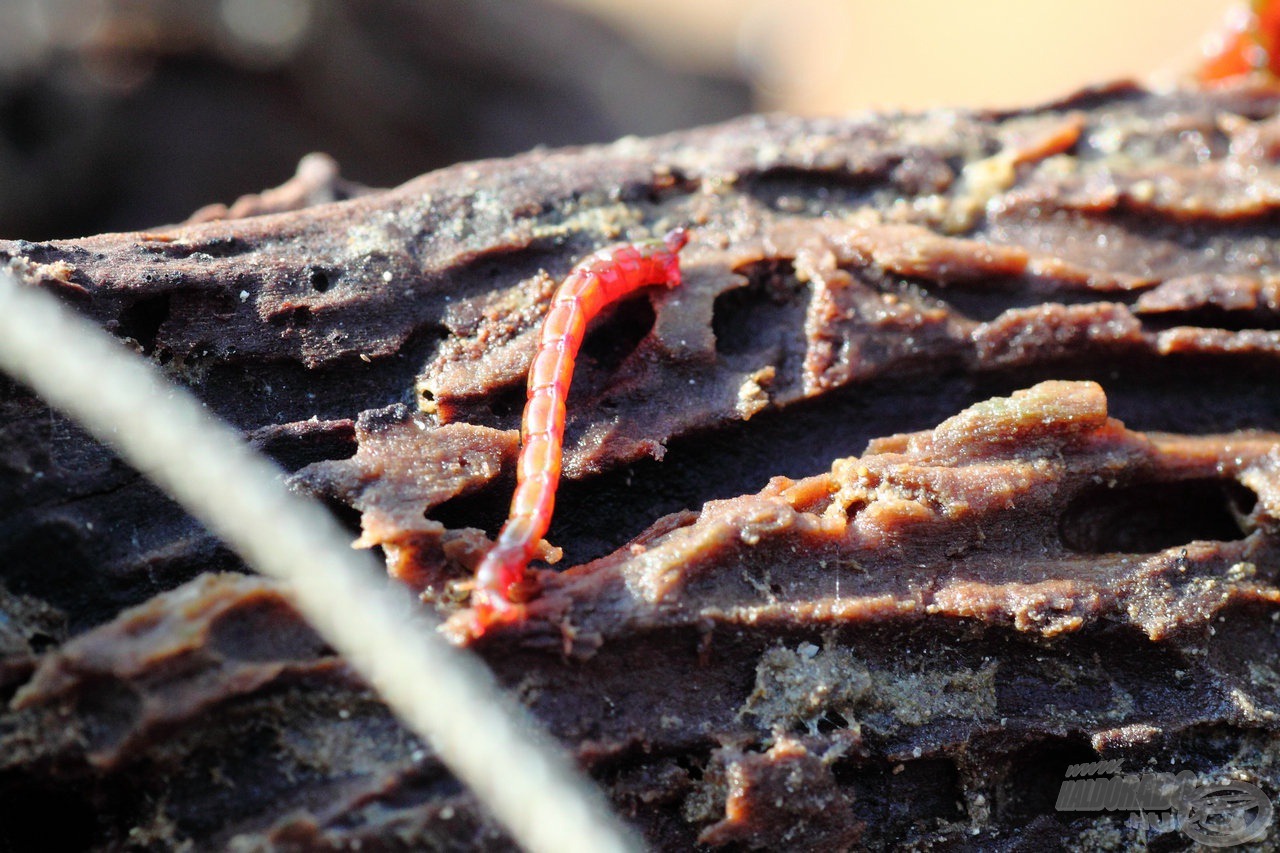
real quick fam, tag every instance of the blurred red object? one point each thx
(1248, 46)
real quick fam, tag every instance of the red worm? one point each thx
(602, 278)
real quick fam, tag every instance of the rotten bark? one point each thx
(772, 626)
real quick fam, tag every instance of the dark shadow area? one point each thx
(35, 815)
(1033, 778)
(141, 321)
(756, 317)
(1149, 517)
(616, 334)
(1212, 318)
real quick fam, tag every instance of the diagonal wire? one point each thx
(443, 694)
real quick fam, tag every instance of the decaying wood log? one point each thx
(955, 461)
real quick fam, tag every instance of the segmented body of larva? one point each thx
(604, 277)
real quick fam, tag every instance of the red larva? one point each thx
(604, 277)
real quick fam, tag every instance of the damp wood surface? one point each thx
(954, 461)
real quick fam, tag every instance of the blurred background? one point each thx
(123, 114)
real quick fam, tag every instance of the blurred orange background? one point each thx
(831, 56)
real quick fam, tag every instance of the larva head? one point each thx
(676, 239)
(672, 243)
